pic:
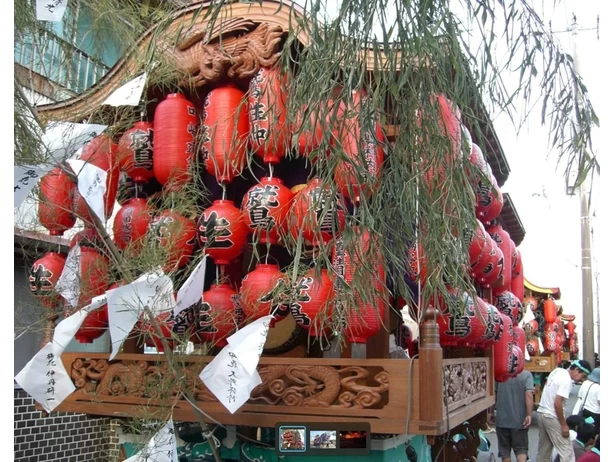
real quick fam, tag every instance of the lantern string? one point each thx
(267, 249)
(224, 191)
(271, 170)
(217, 274)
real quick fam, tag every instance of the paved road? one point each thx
(533, 432)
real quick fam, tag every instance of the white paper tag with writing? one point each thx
(528, 316)
(67, 328)
(45, 379)
(68, 284)
(92, 184)
(161, 448)
(247, 343)
(191, 291)
(128, 94)
(228, 380)
(63, 140)
(50, 10)
(26, 177)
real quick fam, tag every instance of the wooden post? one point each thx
(431, 368)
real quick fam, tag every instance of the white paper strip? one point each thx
(528, 316)
(26, 177)
(67, 328)
(45, 379)
(125, 304)
(526, 354)
(128, 94)
(191, 291)
(248, 342)
(92, 184)
(541, 349)
(161, 448)
(68, 284)
(64, 139)
(50, 10)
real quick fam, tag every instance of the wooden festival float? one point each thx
(447, 387)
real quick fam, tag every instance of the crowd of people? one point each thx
(561, 438)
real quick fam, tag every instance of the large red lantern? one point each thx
(462, 321)
(362, 144)
(365, 308)
(519, 337)
(136, 152)
(479, 241)
(225, 121)
(217, 314)
(93, 275)
(493, 270)
(491, 317)
(222, 232)
(487, 254)
(505, 361)
(550, 334)
(313, 302)
(101, 152)
(93, 326)
(317, 213)
(44, 275)
(531, 303)
(150, 334)
(502, 239)
(263, 292)
(175, 125)
(478, 160)
(176, 234)
(549, 310)
(517, 274)
(488, 199)
(55, 207)
(265, 207)
(88, 237)
(532, 346)
(308, 127)
(131, 223)
(267, 96)
(507, 303)
(531, 327)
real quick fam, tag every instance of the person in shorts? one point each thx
(514, 410)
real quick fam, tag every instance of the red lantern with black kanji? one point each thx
(362, 143)
(222, 232)
(217, 315)
(517, 360)
(267, 101)
(362, 256)
(550, 334)
(492, 271)
(175, 233)
(479, 241)
(150, 334)
(317, 213)
(418, 263)
(494, 325)
(93, 275)
(478, 160)
(103, 153)
(531, 303)
(136, 152)
(263, 292)
(265, 209)
(43, 276)
(532, 346)
(55, 206)
(313, 301)
(502, 239)
(462, 321)
(131, 223)
(507, 303)
(517, 274)
(175, 125)
(226, 128)
(487, 254)
(308, 128)
(505, 362)
(549, 310)
(531, 327)
(520, 337)
(488, 199)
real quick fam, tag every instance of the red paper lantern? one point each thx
(267, 96)
(491, 272)
(488, 199)
(103, 153)
(226, 125)
(265, 207)
(574, 348)
(217, 313)
(487, 254)
(493, 324)
(478, 160)
(462, 321)
(366, 301)
(93, 275)
(418, 263)
(479, 241)
(502, 239)
(150, 334)
(222, 232)
(364, 149)
(88, 237)
(517, 359)
(131, 223)
(550, 333)
(519, 337)
(532, 346)
(507, 303)
(531, 303)
(505, 361)
(517, 275)
(262, 292)
(313, 302)
(136, 152)
(55, 207)
(570, 328)
(175, 125)
(316, 212)
(549, 310)
(531, 327)
(93, 326)
(175, 233)
(308, 128)
(44, 275)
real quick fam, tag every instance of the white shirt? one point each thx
(593, 390)
(559, 383)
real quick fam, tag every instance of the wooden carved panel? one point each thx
(464, 381)
(283, 385)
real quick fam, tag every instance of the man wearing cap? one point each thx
(589, 397)
(553, 429)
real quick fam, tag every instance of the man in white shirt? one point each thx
(553, 429)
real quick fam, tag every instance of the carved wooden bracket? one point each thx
(464, 381)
